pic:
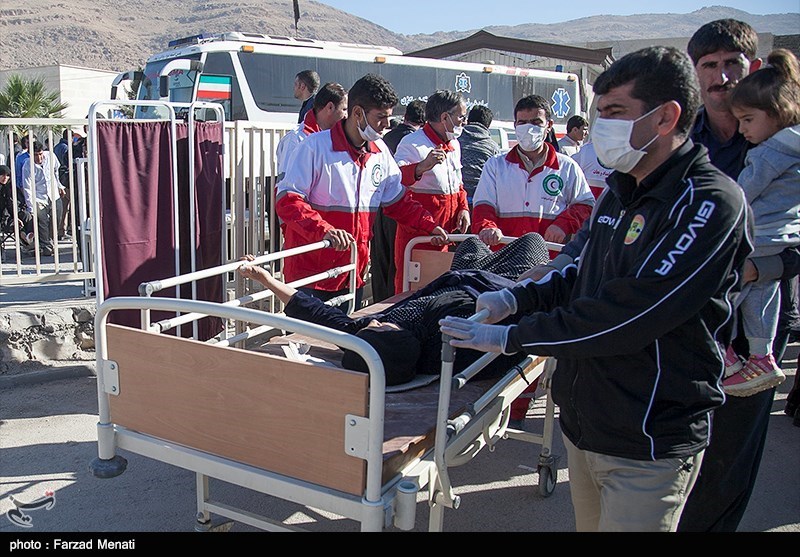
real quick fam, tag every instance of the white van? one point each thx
(254, 75)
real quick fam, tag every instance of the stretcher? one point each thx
(309, 432)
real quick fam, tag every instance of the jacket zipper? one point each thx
(356, 216)
(608, 246)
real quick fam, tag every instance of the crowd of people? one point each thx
(41, 188)
(668, 308)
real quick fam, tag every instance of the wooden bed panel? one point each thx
(410, 416)
(265, 411)
(432, 264)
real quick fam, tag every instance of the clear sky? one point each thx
(428, 16)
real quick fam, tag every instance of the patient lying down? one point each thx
(406, 335)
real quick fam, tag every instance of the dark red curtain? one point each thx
(136, 211)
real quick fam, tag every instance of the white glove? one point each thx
(471, 334)
(499, 304)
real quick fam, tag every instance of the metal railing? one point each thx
(47, 241)
(250, 171)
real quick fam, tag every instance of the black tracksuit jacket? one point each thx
(637, 328)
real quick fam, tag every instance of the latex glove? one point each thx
(499, 304)
(474, 335)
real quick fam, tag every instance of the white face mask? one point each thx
(530, 136)
(457, 130)
(612, 142)
(368, 133)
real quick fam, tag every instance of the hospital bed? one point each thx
(302, 429)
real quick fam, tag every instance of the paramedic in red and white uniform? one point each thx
(430, 160)
(531, 189)
(330, 106)
(333, 188)
(594, 171)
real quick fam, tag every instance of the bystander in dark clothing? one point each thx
(728, 474)
(7, 211)
(477, 146)
(414, 118)
(306, 84)
(553, 140)
(61, 151)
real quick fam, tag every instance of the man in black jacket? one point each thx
(306, 84)
(413, 119)
(637, 327)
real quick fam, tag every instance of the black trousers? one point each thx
(719, 498)
(381, 257)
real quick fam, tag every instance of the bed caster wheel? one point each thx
(211, 526)
(547, 481)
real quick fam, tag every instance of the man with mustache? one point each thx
(724, 52)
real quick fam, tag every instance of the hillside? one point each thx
(617, 28)
(118, 35)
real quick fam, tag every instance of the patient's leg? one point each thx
(510, 261)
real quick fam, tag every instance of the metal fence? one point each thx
(250, 168)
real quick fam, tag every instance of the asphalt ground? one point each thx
(48, 438)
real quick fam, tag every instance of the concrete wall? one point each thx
(46, 334)
(79, 87)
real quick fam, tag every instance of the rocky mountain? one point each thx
(120, 34)
(608, 28)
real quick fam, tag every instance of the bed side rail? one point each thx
(147, 289)
(430, 264)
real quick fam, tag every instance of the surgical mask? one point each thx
(457, 130)
(612, 142)
(530, 136)
(368, 133)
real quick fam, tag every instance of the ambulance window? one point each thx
(219, 63)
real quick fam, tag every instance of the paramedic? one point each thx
(330, 106)
(638, 326)
(332, 191)
(430, 161)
